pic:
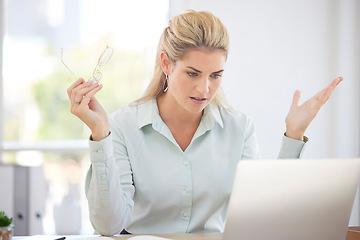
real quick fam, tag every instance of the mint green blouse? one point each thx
(141, 180)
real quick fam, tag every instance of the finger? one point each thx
(333, 85)
(296, 98)
(328, 91)
(93, 101)
(78, 92)
(326, 94)
(89, 95)
(95, 105)
(78, 108)
(74, 91)
(338, 80)
(321, 92)
(74, 85)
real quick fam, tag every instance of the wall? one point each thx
(279, 46)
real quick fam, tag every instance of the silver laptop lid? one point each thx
(292, 199)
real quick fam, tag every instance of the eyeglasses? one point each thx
(103, 59)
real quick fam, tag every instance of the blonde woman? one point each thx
(166, 163)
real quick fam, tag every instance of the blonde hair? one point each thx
(186, 31)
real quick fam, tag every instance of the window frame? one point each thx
(2, 31)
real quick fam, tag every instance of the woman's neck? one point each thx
(172, 113)
(181, 123)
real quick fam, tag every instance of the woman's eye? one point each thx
(192, 74)
(215, 75)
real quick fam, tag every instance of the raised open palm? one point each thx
(300, 116)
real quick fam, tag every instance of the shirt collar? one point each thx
(148, 113)
(145, 113)
(211, 116)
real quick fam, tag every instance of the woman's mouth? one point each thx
(198, 100)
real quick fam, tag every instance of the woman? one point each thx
(166, 163)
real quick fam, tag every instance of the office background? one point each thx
(276, 47)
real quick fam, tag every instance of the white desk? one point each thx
(183, 236)
(353, 234)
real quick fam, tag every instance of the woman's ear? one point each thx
(165, 63)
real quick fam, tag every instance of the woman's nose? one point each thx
(203, 85)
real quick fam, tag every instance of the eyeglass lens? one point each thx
(103, 59)
(105, 56)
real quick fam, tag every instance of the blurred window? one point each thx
(38, 128)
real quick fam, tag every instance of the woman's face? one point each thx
(194, 80)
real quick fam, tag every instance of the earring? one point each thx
(165, 87)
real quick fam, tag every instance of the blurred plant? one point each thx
(5, 227)
(4, 220)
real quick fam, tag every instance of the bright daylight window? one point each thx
(38, 127)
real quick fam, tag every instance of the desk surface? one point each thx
(183, 236)
(189, 236)
(353, 234)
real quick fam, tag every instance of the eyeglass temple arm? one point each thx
(65, 64)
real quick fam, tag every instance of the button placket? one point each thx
(186, 210)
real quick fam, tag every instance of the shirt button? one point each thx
(185, 214)
(186, 163)
(100, 151)
(188, 190)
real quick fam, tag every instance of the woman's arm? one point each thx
(109, 186)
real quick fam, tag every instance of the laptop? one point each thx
(292, 199)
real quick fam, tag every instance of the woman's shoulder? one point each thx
(123, 113)
(235, 122)
(128, 115)
(125, 117)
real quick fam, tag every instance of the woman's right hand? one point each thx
(85, 106)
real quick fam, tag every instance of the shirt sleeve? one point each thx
(291, 148)
(109, 187)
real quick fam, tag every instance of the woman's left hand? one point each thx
(300, 116)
